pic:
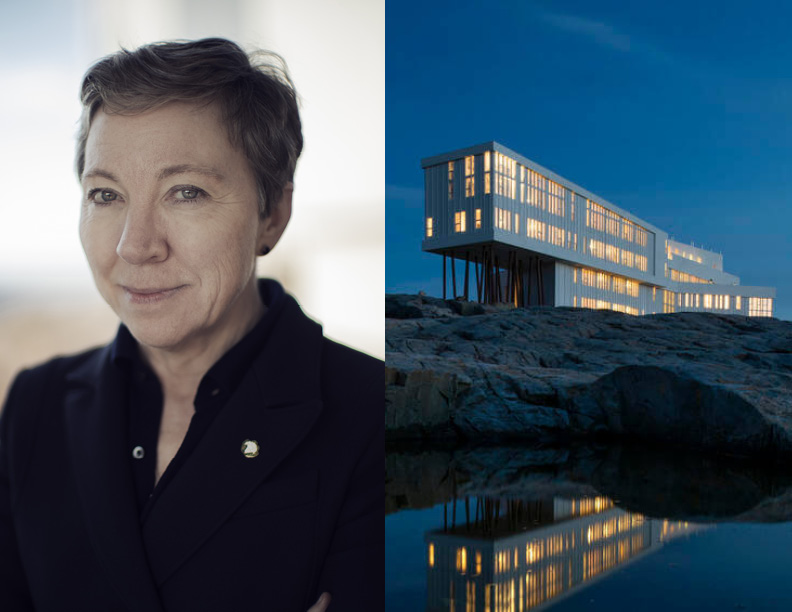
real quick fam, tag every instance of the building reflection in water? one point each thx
(515, 555)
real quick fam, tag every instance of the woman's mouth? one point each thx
(150, 295)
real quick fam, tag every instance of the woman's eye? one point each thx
(189, 193)
(102, 196)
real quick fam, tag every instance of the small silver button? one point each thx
(215, 392)
(138, 452)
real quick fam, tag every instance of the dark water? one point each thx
(585, 528)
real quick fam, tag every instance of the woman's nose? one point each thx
(143, 237)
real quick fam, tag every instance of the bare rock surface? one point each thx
(465, 371)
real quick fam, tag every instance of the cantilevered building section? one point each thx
(512, 231)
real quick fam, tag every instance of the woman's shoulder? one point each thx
(60, 366)
(32, 385)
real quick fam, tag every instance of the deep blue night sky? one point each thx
(680, 112)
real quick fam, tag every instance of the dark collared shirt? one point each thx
(145, 399)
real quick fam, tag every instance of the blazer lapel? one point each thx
(276, 405)
(96, 429)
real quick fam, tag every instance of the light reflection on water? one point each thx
(515, 554)
(517, 546)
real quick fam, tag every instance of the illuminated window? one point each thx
(460, 224)
(516, 223)
(431, 555)
(487, 185)
(677, 252)
(478, 218)
(503, 219)
(556, 196)
(668, 301)
(707, 300)
(556, 236)
(760, 307)
(684, 277)
(628, 230)
(470, 178)
(627, 258)
(597, 248)
(450, 180)
(738, 302)
(535, 229)
(429, 229)
(461, 560)
(505, 176)
(612, 223)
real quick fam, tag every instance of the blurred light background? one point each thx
(332, 257)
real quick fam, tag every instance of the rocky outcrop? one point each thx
(466, 371)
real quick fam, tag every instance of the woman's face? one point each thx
(170, 223)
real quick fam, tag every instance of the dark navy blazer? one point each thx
(230, 532)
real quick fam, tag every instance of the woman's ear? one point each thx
(271, 228)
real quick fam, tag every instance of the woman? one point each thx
(219, 453)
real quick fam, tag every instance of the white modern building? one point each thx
(532, 237)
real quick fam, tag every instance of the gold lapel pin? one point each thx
(250, 448)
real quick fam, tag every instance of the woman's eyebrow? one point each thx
(99, 172)
(189, 168)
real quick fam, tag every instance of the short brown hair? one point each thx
(254, 92)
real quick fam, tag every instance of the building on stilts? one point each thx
(512, 231)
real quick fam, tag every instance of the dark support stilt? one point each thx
(485, 279)
(453, 277)
(515, 280)
(467, 273)
(488, 278)
(541, 282)
(522, 280)
(528, 281)
(498, 292)
(454, 493)
(444, 276)
(508, 295)
(491, 275)
(478, 279)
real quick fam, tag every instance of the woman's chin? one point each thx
(166, 335)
